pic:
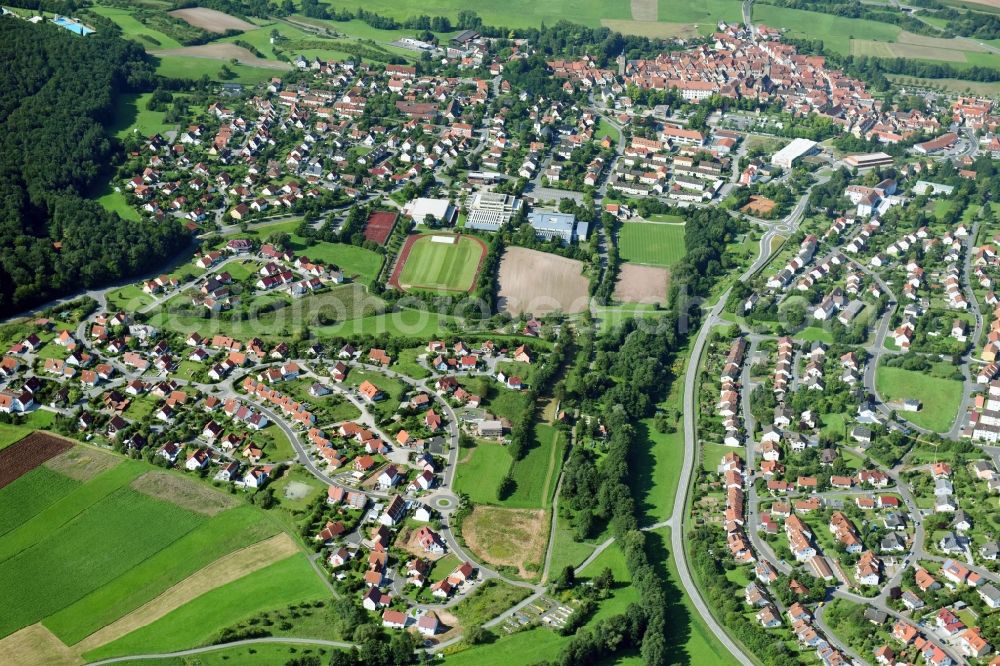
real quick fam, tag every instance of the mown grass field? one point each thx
(358, 263)
(940, 397)
(536, 473)
(133, 29)
(652, 244)
(480, 471)
(185, 67)
(441, 266)
(131, 114)
(289, 581)
(835, 31)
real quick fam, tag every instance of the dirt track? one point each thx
(539, 283)
(224, 52)
(211, 20)
(220, 572)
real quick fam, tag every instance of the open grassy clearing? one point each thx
(436, 265)
(658, 461)
(115, 202)
(181, 67)
(338, 304)
(835, 31)
(106, 540)
(357, 263)
(289, 581)
(651, 244)
(401, 323)
(480, 471)
(10, 433)
(133, 29)
(297, 488)
(940, 397)
(705, 14)
(535, 474)
(605, 128)
(131, 115)
(566, 551)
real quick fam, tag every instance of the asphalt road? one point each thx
(225, 646)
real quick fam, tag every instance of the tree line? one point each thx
(58, 91)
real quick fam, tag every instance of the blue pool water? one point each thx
(72, 25)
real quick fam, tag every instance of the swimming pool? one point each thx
(72, 26)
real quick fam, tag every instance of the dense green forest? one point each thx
(57, 91)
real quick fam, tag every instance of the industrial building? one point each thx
(792, 153)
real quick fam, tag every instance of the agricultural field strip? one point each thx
(231, 567)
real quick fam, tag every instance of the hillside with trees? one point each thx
(57, 94)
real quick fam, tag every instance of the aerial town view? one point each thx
(556, 333)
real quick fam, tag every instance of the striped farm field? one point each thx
(653, 244)
(96, 548)
(439, 262)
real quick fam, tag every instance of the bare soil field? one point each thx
(185, 493)
(27, 454)
(645, 10)
(37, 646)
(652, 29)
(211, 20)
(223, 52)
(642, 284)
(539, 282)
(82, 463)
(512, 537)
(220, 572)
